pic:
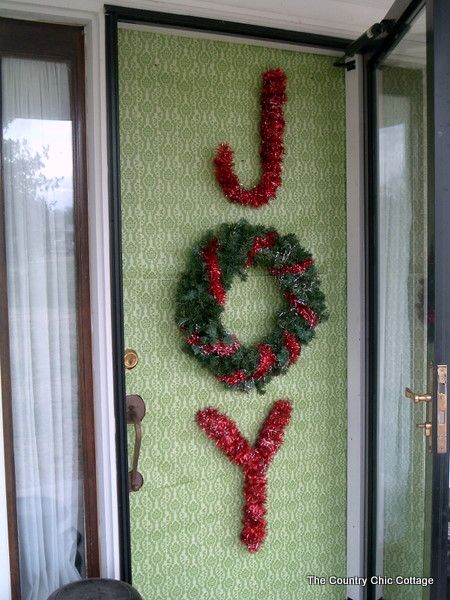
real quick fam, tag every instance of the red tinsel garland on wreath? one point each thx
(254, 461)
(209, 255)
(273, 97)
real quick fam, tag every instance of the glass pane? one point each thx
(403, 318)
(39, 229)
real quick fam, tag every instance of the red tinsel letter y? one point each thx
(273, 97)
(254, 462)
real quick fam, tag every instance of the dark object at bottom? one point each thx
(96, 589)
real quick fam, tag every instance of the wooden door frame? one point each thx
(35, 40)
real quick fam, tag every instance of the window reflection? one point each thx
(42, 318)
(38, 156)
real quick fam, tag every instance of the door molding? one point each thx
(92, 19)
(356, 326)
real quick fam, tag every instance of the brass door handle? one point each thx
(417, 397)
(135, 413)
(427, 427)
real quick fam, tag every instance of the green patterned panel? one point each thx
(179, 98)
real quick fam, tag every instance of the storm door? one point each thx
(407, 85)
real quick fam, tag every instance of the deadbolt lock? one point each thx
(130, 360)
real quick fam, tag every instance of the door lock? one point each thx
(441, 412)
(130, 359)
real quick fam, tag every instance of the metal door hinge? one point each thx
(365, 41)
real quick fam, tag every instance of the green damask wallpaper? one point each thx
(179, 98)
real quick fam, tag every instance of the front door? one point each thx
(408, 469)
(180, 96)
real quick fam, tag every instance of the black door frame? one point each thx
(114, 16)
(438, 148)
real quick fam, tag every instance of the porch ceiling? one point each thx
(343, 18)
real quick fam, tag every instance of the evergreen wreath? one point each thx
(217, 258)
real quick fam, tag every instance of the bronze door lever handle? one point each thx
(135, 413)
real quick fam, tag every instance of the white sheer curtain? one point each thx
(38, 189)
(395, 327)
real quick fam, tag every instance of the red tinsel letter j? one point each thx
(254, 461)
(273, 97)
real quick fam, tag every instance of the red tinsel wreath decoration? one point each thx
(273, 97)
(201, 298)
(254, 461)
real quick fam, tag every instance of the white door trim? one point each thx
(356, 414)
(98, 207)
(5, 582)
